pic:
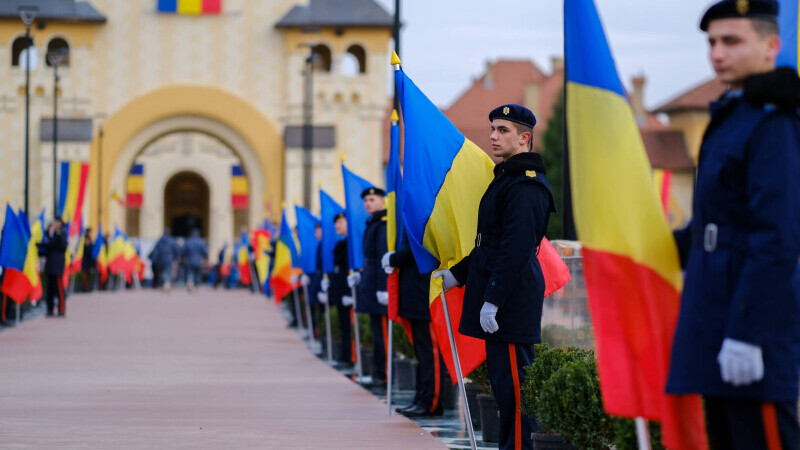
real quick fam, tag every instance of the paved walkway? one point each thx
(216, 370)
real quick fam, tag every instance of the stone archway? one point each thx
(187, 201)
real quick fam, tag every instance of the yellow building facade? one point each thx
(189, 97)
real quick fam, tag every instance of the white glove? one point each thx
(305, 280)
(293, 279)
(448, 279)
(325, 284)
(740, 363)
(353, 279)
(385, 263)
(322, 297)
(348, 301)
(383, 297)
(488, 321)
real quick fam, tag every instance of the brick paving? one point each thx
(213, 370)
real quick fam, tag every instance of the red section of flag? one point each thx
(634, 313)
(133, 200)
(393, 288)
(239, 201)
(77, 219)
(244, 273)
(280, 286)
(666, 183)
(102, 269)
(555, 271)
(16, 285)
(212, 6)
(471, 351)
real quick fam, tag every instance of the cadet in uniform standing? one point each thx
(413, 305)
(504, 282)
(372, 295)
(335, 292)
(54, 248)
(738, 336)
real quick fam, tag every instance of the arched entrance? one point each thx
(186, 204)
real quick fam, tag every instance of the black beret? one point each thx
(514, 113)
(739, 9)
(373, 191)
(341, 215)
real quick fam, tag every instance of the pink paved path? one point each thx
(216, 370)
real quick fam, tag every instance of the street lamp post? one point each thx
(55, 57)
(28, 14)
(100, 116)
(308, 145)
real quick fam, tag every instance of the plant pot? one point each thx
(449, 393)
(490, 418)
(367, 361)
(472, 401)
(550, 442)
(404, 377)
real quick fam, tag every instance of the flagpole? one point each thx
(310, 326)
(253, 279)
(390, 359)
(454, 351)
(328, 327)
(359, 369)
(642, 434)
(297, 313)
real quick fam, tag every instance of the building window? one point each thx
(60, 47)
(322, 58)
(17, 47)
(354, 61)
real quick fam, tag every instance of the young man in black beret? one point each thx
(737, 341)
(504, 282)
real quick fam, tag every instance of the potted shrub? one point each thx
(487, 410)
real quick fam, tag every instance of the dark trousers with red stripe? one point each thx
(55, 290)
(506, 363)
(739, 424)
(429, 372)
(345, 330)
(378, 325)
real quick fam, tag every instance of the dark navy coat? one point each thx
(315, 278)
(503, 268)
(338, 277)
(414, 286)
(54, 248)
(373, 277)
(742, 246)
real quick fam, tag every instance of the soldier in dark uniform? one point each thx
(504, 282)
(336, 292)
(737, 340)
(372, 295)
(88, 264)
(413, 305)
(54, 247)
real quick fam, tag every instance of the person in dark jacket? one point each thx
(195, 254)
(314, 283)
(163, 257)
(413, 305)
(336, 293)
(371, 284)
(504, 283)
(88, 263)
(737, 341)
(54, 247)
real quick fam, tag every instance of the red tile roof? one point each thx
(696, 98)
(667, 149)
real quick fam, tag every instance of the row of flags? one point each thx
(19, 256)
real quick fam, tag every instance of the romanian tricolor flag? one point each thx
(788, 16)
(190, 7)
(261, 249)
(329, 209)
(129, 260)
(134, 192)
(77, 261)
(239, 188)
(394, 220)
(99, 253)
(13, 256)
(285, 254)
(633, 276)
(116, 252)
(72, 191)
(32, 258)
(662, 180)
(243, 261)
(357, 216)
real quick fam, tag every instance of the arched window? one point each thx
(60, 47)
(322, 58)
(354, 61)
(17, 47)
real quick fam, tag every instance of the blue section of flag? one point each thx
(357, 216)
(237, 171)
(306, 234)
(329, 209)
(394, 182)
(435, 142)
(589, 58)
(13, 244)
(168, 6)
(63, 187)
(98, 243)
(137, 169)
(787, 22)
(288, 239)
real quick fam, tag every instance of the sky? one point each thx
(445, 44)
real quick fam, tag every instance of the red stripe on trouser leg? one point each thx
(436, 370)
(771, 426)
(512, 358)
(385, 324)
(353, 323)
(3, 311)
(61, 306)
